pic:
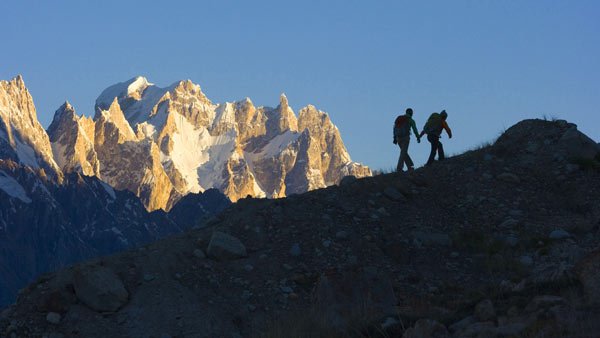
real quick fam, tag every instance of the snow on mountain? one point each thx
(235, 147)
(22, 137)
(164, 143)
(11, 187)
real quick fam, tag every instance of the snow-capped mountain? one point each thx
(192, 144)
(22, 137)
(164, 143)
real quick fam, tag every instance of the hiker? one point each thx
(402, 127)
(433, 128)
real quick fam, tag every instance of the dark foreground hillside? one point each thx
(498, 242)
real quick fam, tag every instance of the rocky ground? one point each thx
(501, 241)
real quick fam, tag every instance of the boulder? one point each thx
(393, 194)
(558, 234)
(53, 318)
(99, 288)
(576, 145)
(223, 246)
(199, 253)
(346, 180)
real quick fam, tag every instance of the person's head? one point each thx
(443, 114)
(409, 112)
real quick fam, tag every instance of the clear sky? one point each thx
(488, 63)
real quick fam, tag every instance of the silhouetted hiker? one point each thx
(402, 127)
(433, 128)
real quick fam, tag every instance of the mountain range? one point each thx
(163, 143)
(87, 187)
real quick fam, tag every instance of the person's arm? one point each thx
(414, 127)
(445, 125)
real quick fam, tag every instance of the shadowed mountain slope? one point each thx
(499, 241)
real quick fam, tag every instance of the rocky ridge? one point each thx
(500, 241)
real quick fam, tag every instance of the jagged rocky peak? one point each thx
(187, 87)
(281, 119)
(72, 140)
(64, 114)
(288, 118)
(250, 120)
(112, 123)
(22, 137)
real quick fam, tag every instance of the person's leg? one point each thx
(433, 140)
(441, 155)
(400, 161)
(403, 143)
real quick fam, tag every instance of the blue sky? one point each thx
(488, 63)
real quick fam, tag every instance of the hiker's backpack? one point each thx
(401, 127)
(433, 124)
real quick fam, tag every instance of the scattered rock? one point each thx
(53, 318)
(99, 288)
(462, 324)
(526, 261)
(426, 328)
(341, 235)
(393, 194)
(509, 178)
(509, 223)
(295, 250)
(389, 322)
(223, 246)
(511, 241)
(543, 302)
(559, 234)
(427, 238)
(286, 289)
(485, 311)
(199, 254)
